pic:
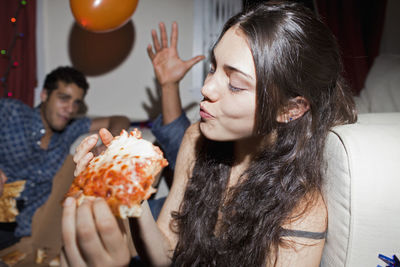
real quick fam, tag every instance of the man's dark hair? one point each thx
(65, 74)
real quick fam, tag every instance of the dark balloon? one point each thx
(99, 53)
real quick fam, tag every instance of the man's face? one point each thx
(61, 105)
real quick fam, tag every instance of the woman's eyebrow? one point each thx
(231, 68)
(228, 67)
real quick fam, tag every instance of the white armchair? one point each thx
(362, 191)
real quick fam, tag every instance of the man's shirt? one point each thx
(22, 158)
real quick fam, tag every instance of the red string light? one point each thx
(8, 52)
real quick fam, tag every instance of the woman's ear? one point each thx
(295, 108)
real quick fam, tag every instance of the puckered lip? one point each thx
(204, 113)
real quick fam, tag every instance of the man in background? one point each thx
(35, 141)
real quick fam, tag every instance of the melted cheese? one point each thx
(122, 174)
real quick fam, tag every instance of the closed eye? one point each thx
(234, 89)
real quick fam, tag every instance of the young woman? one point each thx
(247, 184)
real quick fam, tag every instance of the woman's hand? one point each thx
(90, 232)
(169, 69)
(168, 66)
(91, 235)
(83, 154)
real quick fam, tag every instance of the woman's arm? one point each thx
(91, 234)
(147, 243)
(169, 69)
(303, 251)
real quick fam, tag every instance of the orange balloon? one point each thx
(102, 15)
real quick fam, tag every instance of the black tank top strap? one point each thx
(305, 234)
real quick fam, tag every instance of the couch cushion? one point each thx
(381, 92)
(362, 184)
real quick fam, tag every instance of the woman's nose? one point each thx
(210, 88)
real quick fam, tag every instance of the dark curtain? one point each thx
(21, 79)
(358, 26)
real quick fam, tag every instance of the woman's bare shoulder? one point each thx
(187, 149)
(192, 132)
(310, 215)
(309, 220)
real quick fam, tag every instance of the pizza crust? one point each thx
(8, 203)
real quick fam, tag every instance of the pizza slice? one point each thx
(123, 174)
(8, 203)
(13, 257)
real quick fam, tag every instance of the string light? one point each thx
(11, 64)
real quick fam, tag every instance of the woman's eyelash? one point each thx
(211, 69)
(234, 89)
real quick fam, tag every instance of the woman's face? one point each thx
(228, 109)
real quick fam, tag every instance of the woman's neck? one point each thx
(245, 149)
(244, 152)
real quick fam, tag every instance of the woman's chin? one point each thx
(209, 131)
(214, 133)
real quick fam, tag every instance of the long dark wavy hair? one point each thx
(295, 55)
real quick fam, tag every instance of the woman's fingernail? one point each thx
(69, 201)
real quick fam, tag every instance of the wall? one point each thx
(128, 87)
